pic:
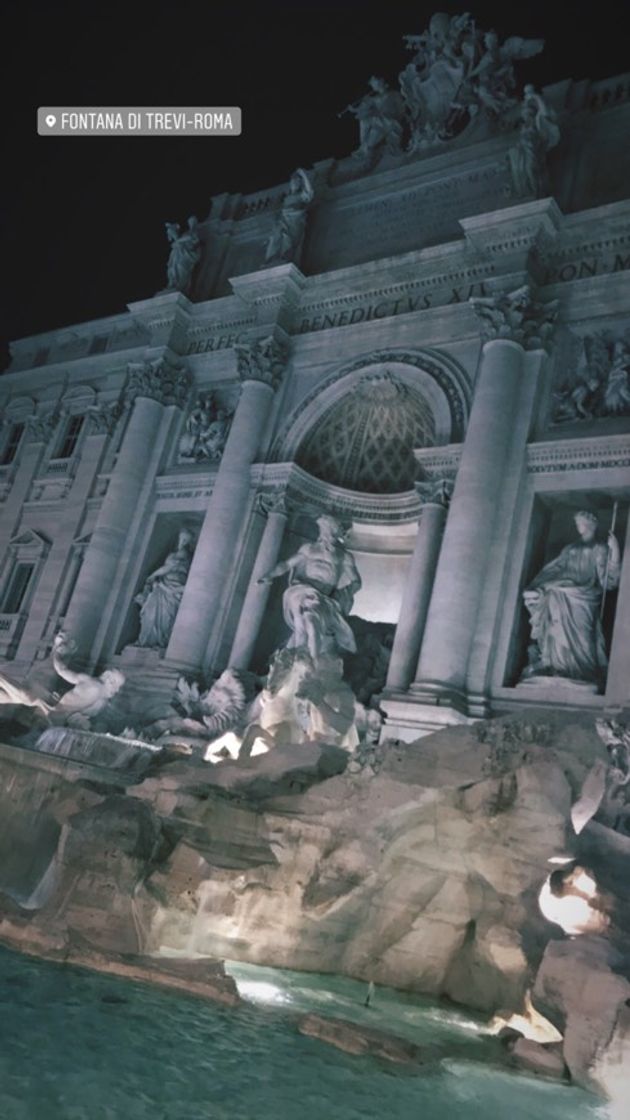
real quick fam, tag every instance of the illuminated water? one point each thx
(76, 1045)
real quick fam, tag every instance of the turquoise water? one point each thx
(76, 1045)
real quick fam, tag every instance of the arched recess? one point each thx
(429, 374)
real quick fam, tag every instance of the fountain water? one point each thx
(96, 748)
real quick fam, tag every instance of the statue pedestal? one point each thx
(559, 687)
(140, 656)
(408, 719)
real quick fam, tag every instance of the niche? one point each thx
(552, 527)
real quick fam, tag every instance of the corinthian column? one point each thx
(260, 367)
(252, 613)
(415, 602)
(151, 386)
(511, 324)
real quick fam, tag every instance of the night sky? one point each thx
(84, 218)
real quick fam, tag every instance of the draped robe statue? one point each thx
(161, 595)
(564, 605)
(323, 579)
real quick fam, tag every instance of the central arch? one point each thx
(435, 389)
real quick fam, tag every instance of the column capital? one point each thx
(262, 360)
(516, 317)
(159, 379)
(102, 418)
(274, 501)
(435, 491)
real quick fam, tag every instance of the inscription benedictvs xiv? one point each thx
(412, 219)
(387, 308)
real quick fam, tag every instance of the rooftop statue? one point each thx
(538, 133)
(285, 243)
(323, 579)
(457, 73)
(380, 114)
(184, 256)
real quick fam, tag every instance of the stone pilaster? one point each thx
(260, 367)
(39, 431)
(100, 421)
(415, 602)
(274, 507)
(152, 386)
(511, 324)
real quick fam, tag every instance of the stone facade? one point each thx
(443, 361)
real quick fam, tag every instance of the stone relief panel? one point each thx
(599, 386)
(206, 430)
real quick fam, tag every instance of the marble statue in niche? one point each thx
(380, 115)
(161, 595)
(323, 580)
(564, 603)
(206, 431)
(601, 386)
(538, 134)
(184, 256)
(285, 243)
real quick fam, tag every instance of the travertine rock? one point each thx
(424, 876)
(581, 987)
(546, 1060)
(354, 1038)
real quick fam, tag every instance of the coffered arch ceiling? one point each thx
(365, 441)
(359, 428)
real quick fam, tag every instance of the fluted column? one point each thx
(260, 368)
(257, 596)
(152, 386)
(419, 582)
(511, 324)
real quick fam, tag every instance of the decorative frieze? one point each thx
(580, 454)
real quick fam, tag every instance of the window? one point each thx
(16, 589)
(69, 438)
(11, 444)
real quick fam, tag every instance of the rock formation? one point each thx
(422, 872)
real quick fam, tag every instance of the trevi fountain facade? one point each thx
(315, 589)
